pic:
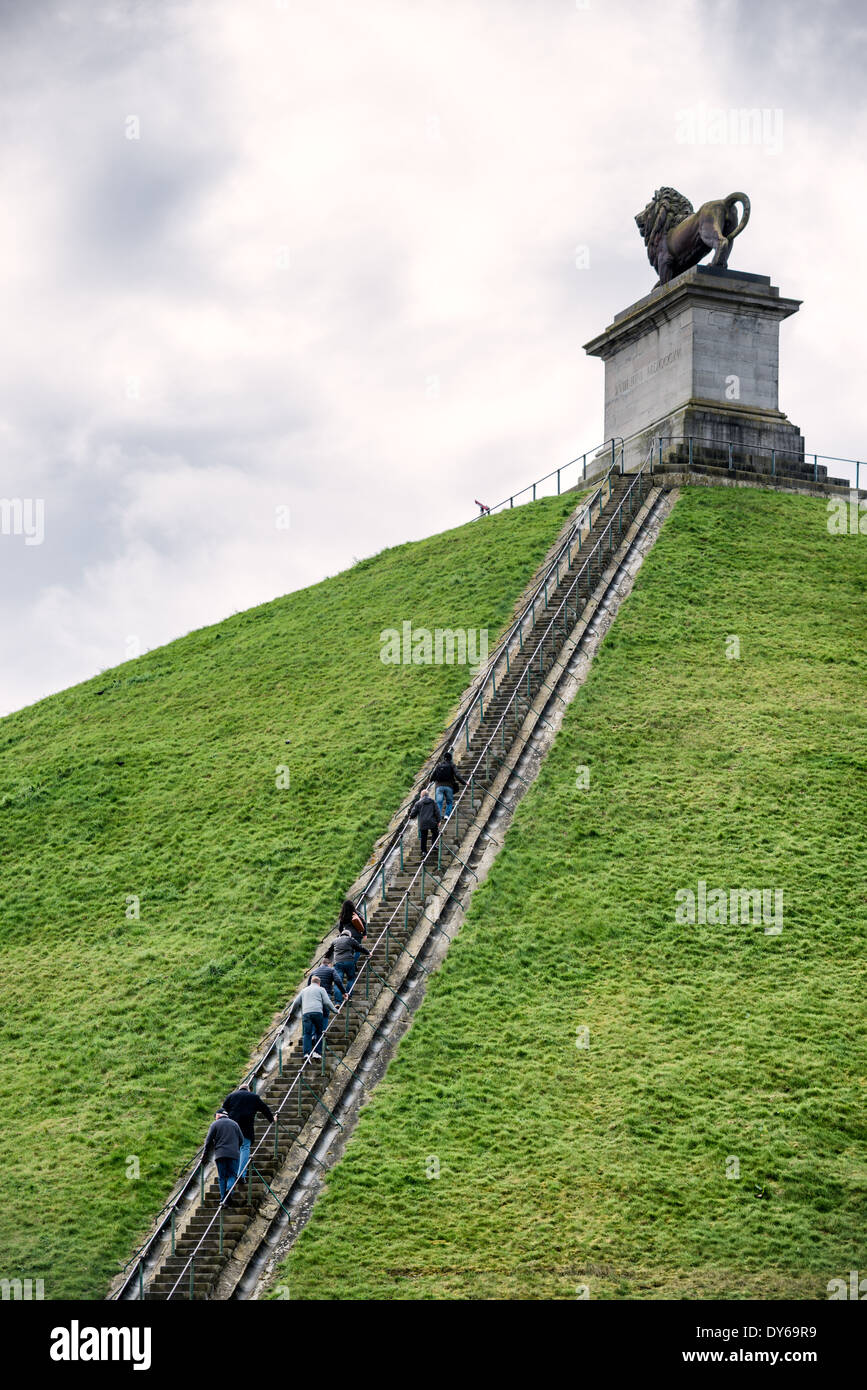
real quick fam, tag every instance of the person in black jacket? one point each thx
(328, 979)
(346, 953)
(428, 816)
(447, 780)
(351, 920)
(224, 1137)
(242, 1106)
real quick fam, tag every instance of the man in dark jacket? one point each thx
(328, 979)
(447, 780)
(224, 1137)
(242, 1106)
(425, 810)
(346, 952)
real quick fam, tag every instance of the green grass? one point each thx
(158, 779)
(605, 1166)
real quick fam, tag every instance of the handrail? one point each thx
(468, 788)
(735, 447)
(614, 441)
(454, 730)
(273, 1039)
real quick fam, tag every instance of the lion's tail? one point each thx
(744, 200)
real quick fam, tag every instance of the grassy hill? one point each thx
(158, 780)
(709, 1141)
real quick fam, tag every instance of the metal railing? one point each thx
(733, 449)
(633, 493)
(579, 464)
(393, 855)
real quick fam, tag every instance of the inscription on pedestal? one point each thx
(644, 372)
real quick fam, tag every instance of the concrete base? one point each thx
(698, 357)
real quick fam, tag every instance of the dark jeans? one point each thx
(344, 970)
(311, 1027)
(424, 832)
(227, 1171)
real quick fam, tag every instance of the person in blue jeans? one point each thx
(225, 1138)
(315, 1007)
(346, 953)
(243, 1106)
(446, 780)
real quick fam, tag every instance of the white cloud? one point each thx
(338, 271)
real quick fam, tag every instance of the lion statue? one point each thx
(676, 237)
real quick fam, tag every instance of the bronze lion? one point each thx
(676, 237)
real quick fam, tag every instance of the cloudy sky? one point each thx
(321, 256)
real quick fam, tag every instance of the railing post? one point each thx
(387, 941)
(382, 879)
(173, 1233)
(584, 474)
(690, 451)
(730, 454)
(558, 482)
(280, 1054)
(511, 501)
(534, 492)
(659, 445)
(773, 463)
(141, 1263)
(816, 470)
(612, 452)
(202, 1179)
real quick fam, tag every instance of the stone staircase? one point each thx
(203, 1241)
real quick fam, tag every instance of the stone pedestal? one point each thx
(698, 357)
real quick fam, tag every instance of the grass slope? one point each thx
(606, 1167)
(158, 779)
